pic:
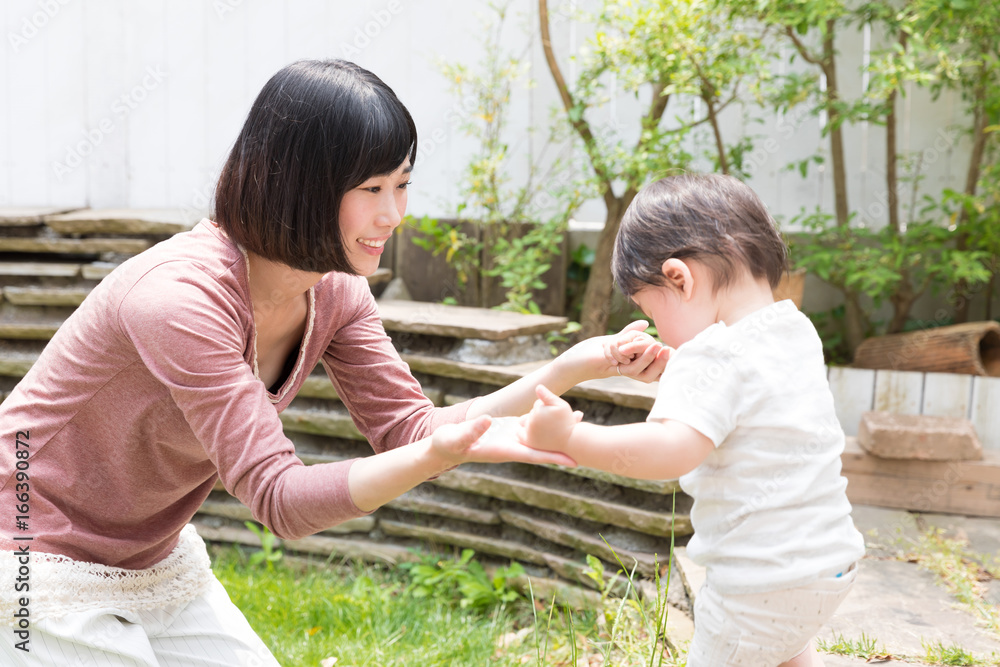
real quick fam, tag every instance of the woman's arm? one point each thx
(630, 353)
(375, 480)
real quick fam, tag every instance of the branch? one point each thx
(801, 48)
(579, 124)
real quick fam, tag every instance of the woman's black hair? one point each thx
(715, 219)
(318, 129)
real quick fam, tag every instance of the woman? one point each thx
(171, 375)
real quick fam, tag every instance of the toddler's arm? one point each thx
(646, 450)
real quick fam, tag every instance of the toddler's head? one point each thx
(715, 221)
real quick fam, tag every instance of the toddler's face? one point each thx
(680, 314)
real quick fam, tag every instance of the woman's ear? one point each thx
(678, 275)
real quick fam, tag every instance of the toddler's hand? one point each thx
(549, 424)
(636, 354)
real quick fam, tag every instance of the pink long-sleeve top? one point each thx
(147, 395)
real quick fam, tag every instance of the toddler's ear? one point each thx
(678, 275)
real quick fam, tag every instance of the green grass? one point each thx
(939, 654)
(864, 647)
(380, 615)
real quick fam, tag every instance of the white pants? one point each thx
(209, 630)
(763, 629)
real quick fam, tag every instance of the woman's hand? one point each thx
(630, 353)
(464, 443)
(549, 424)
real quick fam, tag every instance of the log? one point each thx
(972, 348)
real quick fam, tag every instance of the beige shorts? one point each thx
(763, 629)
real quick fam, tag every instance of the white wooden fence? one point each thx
(135, 103)
(856, 390)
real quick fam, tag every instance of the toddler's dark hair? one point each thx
(318, 129)
(714, 219)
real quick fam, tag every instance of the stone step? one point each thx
(329, 422)
(625, 392)
(46, 296)
(40, 269)
(381, 275)
(479, 543)
(646, 564)
(16, 357)
(591, 509)
(234, 509)
(121, 221)
(97, 270)
(318, 385)
(420, 502)
(362, 550)
(664, 487)
(462, 322)
(41, 329)
(29, 216)
(73, 246)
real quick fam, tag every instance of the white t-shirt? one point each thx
(770, 509)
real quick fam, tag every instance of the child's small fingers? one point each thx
(577, 416)
(638, 325)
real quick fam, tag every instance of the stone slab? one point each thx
(363, 550)
(318, 386)
(421, 504)
(73, 246)
(587, 543)
(320, 422)
(692, 574)
(97, 270)
(921, 437)
(120, 221)
(40, 269)
(28, 330)
(463, 322)
(479, 543)
(45, 296)
(28, 216)
(16, 357)
(592, 509)
(624, 392)
(240, 512)
(901, 606)
(379, 277)
(665, 487)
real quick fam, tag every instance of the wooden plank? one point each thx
(947, 395)
(985, 413)
(853, 392)
(958, 487)
(900, 392)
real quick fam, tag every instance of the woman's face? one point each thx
(368, 215)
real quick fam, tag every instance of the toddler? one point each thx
(743, 416)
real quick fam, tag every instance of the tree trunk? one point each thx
(600, 286)
(971, 180)
(836, 135)
(855, 322)
(708, 95)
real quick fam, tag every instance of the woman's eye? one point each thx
(402, 186)
(375, 189)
